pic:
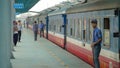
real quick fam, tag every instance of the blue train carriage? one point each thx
(56, 25)
(79, 31)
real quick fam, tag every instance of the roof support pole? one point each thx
(12, 14)
(5, 28)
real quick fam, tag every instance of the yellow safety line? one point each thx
(57, 58)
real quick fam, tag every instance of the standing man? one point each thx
(19, 30)
(35, 30)
(96, 44)
(15, 33)
(41, 26)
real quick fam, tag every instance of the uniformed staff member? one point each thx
(41, 26)
(96, 44)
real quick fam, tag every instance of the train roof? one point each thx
(59, 11)
(61, 8)
(33, 16)
(94, 6)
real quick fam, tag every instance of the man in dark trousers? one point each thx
(15, 33)
(96, 44)
(41, 26)
(35, 30)
(19, 30)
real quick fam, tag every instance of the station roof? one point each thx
(27, 5)
(61, 8)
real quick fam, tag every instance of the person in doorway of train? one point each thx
(96, 44)
(19, 30)
(41, 26)
(35, 30)
(15, 33)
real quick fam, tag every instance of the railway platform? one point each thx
(43, 54)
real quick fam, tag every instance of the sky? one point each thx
(43, 4)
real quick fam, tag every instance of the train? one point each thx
(69, 27)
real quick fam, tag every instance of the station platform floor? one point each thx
(43, 54)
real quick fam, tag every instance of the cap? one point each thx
(94, 21)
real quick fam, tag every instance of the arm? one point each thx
(99, 40)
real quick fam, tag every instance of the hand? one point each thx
(92, 45)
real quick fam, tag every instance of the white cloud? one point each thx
(43, 4)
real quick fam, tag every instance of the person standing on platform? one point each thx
(35, 30)
(19, 30)
(96, 44)
(15, 33)
(41, 26)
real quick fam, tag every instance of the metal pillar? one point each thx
(47, 22)
(12, 19)
(5, 29)
(65, 32)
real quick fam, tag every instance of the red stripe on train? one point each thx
(56, 40)
(82, 53)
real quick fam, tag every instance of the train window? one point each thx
(90, 31)
(99, 23)
(57, 25)
(74, 27)
(78, 31)
(60, 28)
(84, 30)
(106, 23)
(50, 27)
(55, 28)
(106, 34)
(71, 31)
